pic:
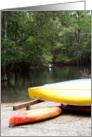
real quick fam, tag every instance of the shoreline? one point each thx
(69, 123)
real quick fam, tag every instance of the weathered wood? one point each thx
(26, 104)
(28, 107)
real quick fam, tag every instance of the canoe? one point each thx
(35, 115)
(73, 92)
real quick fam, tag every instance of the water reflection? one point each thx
(16, 88)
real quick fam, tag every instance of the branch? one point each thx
(38, 23)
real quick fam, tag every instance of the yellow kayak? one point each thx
(74, 92)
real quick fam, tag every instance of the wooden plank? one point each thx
(26, 104)
(28, 107)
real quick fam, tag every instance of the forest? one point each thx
(40, 38)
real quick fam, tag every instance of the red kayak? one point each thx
(35, 115)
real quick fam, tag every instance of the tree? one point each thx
(43, 37)
(72, 36)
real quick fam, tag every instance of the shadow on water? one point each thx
(16, 88)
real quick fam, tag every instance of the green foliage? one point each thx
(76, 36)
(62, 58)
(46, 37)
(46, 59)
(10, 53)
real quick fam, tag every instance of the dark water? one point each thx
(16, 88)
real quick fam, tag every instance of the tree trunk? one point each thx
(5, 24)
(3, 69)
(75, 47)
(79, 48)
(64, 43)
(3, 74)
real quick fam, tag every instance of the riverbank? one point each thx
(69, 123)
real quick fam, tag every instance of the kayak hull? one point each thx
(77, 92)
(35, 115)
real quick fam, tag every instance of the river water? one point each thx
(16, 88)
